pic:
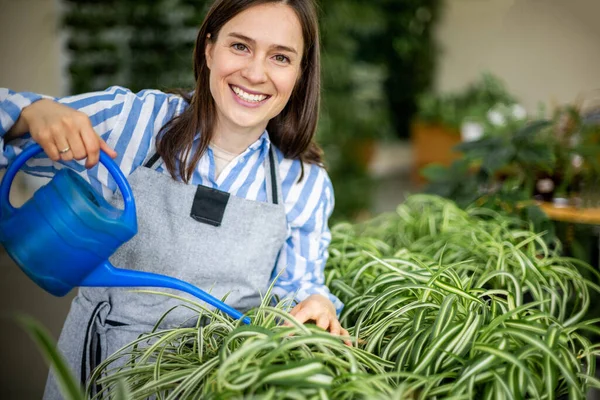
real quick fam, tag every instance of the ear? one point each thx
(208, 52)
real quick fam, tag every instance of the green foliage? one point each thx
(502, 169)
(353, 108)
(377, 57)
(573, 136)
(411, 281)
(137, 44)
(440, 302)
(67, 384)
(473, 103)
(405, 44)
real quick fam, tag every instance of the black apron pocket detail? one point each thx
(209, 205)
(86, 359)
(115, 323)
(96, 359)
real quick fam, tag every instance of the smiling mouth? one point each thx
(248, 97)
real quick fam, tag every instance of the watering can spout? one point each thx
(107, 275)
(64, 235)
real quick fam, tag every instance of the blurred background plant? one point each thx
(519, 160)
(378, 57)
(523, 159)
(443, 120)
(137, 44)
(473, 102)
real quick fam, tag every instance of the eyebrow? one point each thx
(279, 47)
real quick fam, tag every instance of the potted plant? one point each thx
(575, 143)
(439, 122)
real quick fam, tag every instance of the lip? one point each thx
(247, 103)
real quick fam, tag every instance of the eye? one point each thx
(282, 59)
(239, 47)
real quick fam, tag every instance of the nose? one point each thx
(255, 71)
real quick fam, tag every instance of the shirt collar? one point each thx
(262, 143)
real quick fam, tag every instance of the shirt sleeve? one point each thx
(128, 122)
(11, 105)
(301, 264)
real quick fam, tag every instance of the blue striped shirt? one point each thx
(129, 123)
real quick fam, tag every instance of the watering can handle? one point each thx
(128, 214)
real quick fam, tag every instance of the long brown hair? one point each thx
(292, 131)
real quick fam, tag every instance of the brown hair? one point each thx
(292, 131)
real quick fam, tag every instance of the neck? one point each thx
(235, 139)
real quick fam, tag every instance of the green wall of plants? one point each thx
(378, 57)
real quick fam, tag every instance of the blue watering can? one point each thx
(63, 236)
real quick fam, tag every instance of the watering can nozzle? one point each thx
(64, 235)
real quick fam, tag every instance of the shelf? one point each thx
(571, 214)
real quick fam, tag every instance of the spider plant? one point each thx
(440, 303)
(467, 339)
(483, 247)
(436, 289)
(225, 359)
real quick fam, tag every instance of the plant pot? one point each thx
(363, 151)
(432, 143)
(560, 202)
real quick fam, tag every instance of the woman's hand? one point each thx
(320, 309)
(63, 133)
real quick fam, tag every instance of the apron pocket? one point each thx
(92, 346)
(103, 338)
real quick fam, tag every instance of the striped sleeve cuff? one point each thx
(11, 106)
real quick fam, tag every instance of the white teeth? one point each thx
(252, 98)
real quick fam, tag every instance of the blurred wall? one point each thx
(30, 46)
(31, 60)
(545, 50)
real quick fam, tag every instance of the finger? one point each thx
(293, 312)
(92, 145)
(323, 321)
(303, 315)
(335, 328)
(64, 150)
(346, 334)
(107, 149)
(296, 310)
(58, 133)
(77, 147)
(51, 150)
(44, 139)
(69, 138)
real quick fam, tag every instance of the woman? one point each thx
(241, 144)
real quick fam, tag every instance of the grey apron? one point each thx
(223, 244)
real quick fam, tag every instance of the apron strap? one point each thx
(273, 177)
(273, 187)
(150, 163)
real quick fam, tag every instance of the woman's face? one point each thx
(254, 65)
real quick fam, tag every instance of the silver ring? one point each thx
(63, 151)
